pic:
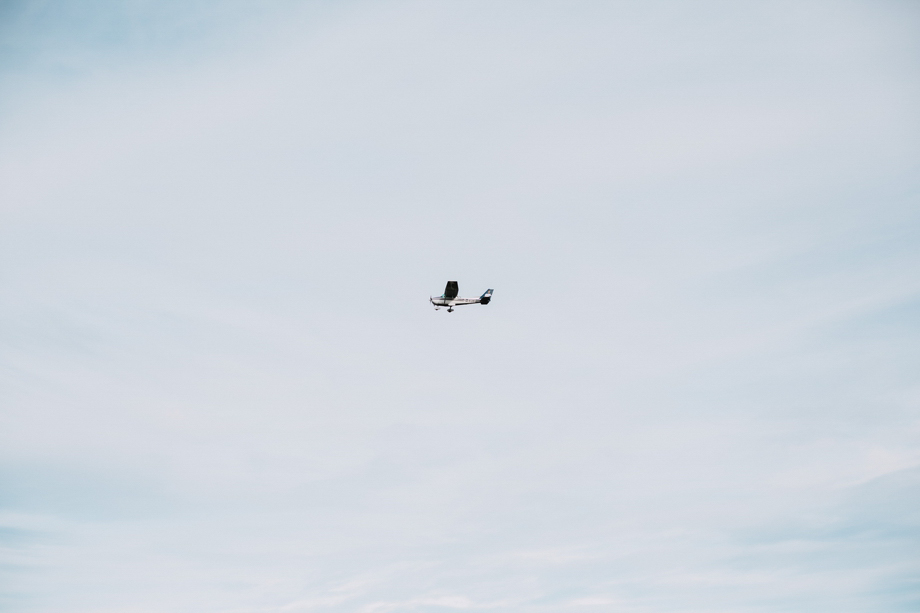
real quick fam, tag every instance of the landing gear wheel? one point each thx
(450, 310)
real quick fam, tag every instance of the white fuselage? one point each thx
(441, 301)
(450, 299)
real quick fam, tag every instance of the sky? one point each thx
(223, 388)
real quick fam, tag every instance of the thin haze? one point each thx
(223, 389)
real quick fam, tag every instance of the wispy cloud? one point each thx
(222, 385)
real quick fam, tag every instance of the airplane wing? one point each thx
(451, 291)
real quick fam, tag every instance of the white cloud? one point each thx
(694, 391)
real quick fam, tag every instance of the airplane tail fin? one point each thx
(486, 297)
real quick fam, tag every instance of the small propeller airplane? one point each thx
(450, 300)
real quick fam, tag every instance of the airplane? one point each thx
(450, 300)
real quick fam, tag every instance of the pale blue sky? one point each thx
(697, 388)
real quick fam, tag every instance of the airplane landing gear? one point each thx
(450, 310)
